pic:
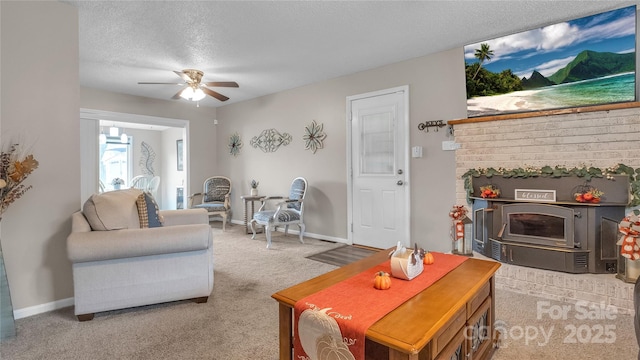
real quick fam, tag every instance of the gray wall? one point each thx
(39, 43)
(34, 229)
(436, 86)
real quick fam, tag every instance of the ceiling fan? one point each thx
(193, 89)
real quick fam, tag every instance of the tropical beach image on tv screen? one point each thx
(582, 62)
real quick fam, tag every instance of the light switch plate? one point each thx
(416, 152)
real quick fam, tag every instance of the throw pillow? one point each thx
(148, 211)
(112, 210)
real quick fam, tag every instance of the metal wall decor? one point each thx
(427, 124)
(314, 136)
(235, 144)
(147, 156)
(270, 140)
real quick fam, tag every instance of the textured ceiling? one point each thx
(271, 46)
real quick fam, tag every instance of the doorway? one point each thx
(378, 168)
(159, 135)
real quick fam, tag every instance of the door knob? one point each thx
(400, 183)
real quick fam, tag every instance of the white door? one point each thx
(378, 168)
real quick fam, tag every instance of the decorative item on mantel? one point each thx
(628, 264)
(254, 187)
(489, 191)
(14, 169)
(587, 194)
(461, 231)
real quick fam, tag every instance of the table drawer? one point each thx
(448, 332)
(457, 348)
(478, 299)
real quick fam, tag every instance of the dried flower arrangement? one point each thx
(15, 167)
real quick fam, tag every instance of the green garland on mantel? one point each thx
(586, 173)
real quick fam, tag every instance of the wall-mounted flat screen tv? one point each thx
(582, 62)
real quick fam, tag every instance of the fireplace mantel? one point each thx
(531, 114)
(616, 190)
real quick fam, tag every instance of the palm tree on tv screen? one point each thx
(482, 54)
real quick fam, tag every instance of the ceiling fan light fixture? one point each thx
(113, 131)
(187, 93)
(193, 89)
(192, 94)
(124, 138)
(198, 95)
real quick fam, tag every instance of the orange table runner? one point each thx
(334, 320)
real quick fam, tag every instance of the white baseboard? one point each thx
(306, 234)
(42, 308)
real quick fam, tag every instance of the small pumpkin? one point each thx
(382, 281)
(428, 259)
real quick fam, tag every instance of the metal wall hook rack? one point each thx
(427, 124)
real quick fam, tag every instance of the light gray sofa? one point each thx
(122, 265)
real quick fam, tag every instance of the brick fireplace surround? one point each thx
(599, 138)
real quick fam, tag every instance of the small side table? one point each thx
(249, 209)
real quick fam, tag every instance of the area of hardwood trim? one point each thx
(577, 110)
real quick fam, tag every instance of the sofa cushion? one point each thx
(148, 212)
(112, 210)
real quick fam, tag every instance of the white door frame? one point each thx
(407, 221)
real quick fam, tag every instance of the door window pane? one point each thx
(115, 163)
(377, 144)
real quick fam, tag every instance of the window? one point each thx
(115, 162)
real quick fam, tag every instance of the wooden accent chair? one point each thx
(215, 198)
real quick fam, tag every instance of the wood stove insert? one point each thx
(563, 235)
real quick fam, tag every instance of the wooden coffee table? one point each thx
(451, 319)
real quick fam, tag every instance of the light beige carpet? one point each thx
(240, 320)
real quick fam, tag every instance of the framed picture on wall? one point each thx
(179, 155)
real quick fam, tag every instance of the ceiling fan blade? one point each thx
(184, 76)
(214, 94)
(222, 84)
(177, 95)
(157, 83)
